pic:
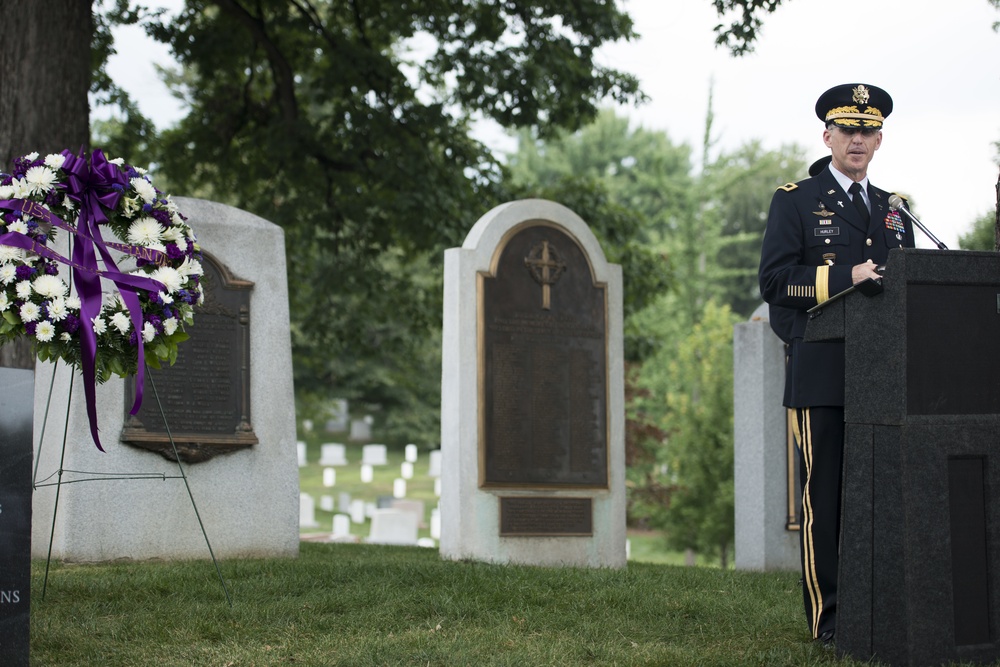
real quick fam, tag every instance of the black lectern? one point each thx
(920, 526)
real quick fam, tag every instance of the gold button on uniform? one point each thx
(868, 242)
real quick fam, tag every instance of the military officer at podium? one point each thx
(825, 234)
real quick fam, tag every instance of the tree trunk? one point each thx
(44, 81)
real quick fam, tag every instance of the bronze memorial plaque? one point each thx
(543, 364)
(205, 395)
(557, 517)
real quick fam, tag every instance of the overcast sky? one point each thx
(941, 66)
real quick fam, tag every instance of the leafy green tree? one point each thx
(687, 395)
(982, 236)
(739, 185)
(348, 124)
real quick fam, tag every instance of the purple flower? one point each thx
(161, 216)
(51, 269)
(71, 324)
(173, 252)
(23, 272)
(29, 328)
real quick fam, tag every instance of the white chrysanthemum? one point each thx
(145, 231)
(29, 312)
(10, 254)
(19, 226)
(4, 301)
(68, 204)
(120, 161)
(166, 298)
(100, 325)
(141, 170)
(40, 179)
(8, 274)
(55, 160)
(73, 302)
(32, 156)
(23, 290)
(170, 326)
(144, 189)
(50, 286)
(148, 332)
(190, 267)
(171, 278)
(57, 309)
(65, 337)
(121, 322)
(6, 191)
(45, 331)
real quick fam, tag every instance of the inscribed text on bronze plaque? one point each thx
(543, 361)
(528, 517)
(205, 395)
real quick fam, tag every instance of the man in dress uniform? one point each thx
(823, 235)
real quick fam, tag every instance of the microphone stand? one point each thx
(913, 219)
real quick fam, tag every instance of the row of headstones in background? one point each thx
(334, 454)
(393, 521)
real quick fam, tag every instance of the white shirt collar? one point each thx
(845, 182)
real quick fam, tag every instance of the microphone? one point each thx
(896, 203)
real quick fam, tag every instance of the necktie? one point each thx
(859, 201)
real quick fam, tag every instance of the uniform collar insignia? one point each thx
(830, 192)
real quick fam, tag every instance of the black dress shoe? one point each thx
(827, 639)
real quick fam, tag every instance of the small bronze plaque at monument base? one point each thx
(543, 364)
(544, 516)
(205, 395)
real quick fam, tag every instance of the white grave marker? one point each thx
(411, 453)
(434, 466)
(367, 473)
(326, 503)
(301, 449)
(333, 454)
(392, 526)
(406, 470)
(398, 488)
(329, 477)
(374, 455)
(357, 511)
(307, 511)
(341, 526)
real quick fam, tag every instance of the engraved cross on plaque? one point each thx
(546, 266)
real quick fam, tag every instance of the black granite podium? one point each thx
(16, 404)
(920, 526)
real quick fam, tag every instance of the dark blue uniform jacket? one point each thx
(814, 237)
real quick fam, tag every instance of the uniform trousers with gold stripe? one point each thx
(819, 435)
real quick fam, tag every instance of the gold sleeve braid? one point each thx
(822, 283)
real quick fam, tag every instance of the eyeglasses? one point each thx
(866, 132)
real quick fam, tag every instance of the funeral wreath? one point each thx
(120, 291)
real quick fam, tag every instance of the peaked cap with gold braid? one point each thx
(854, 105)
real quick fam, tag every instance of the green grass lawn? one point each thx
(347, 604)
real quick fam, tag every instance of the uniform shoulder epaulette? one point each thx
(788, 187)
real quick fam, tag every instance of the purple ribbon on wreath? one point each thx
(94, 186)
